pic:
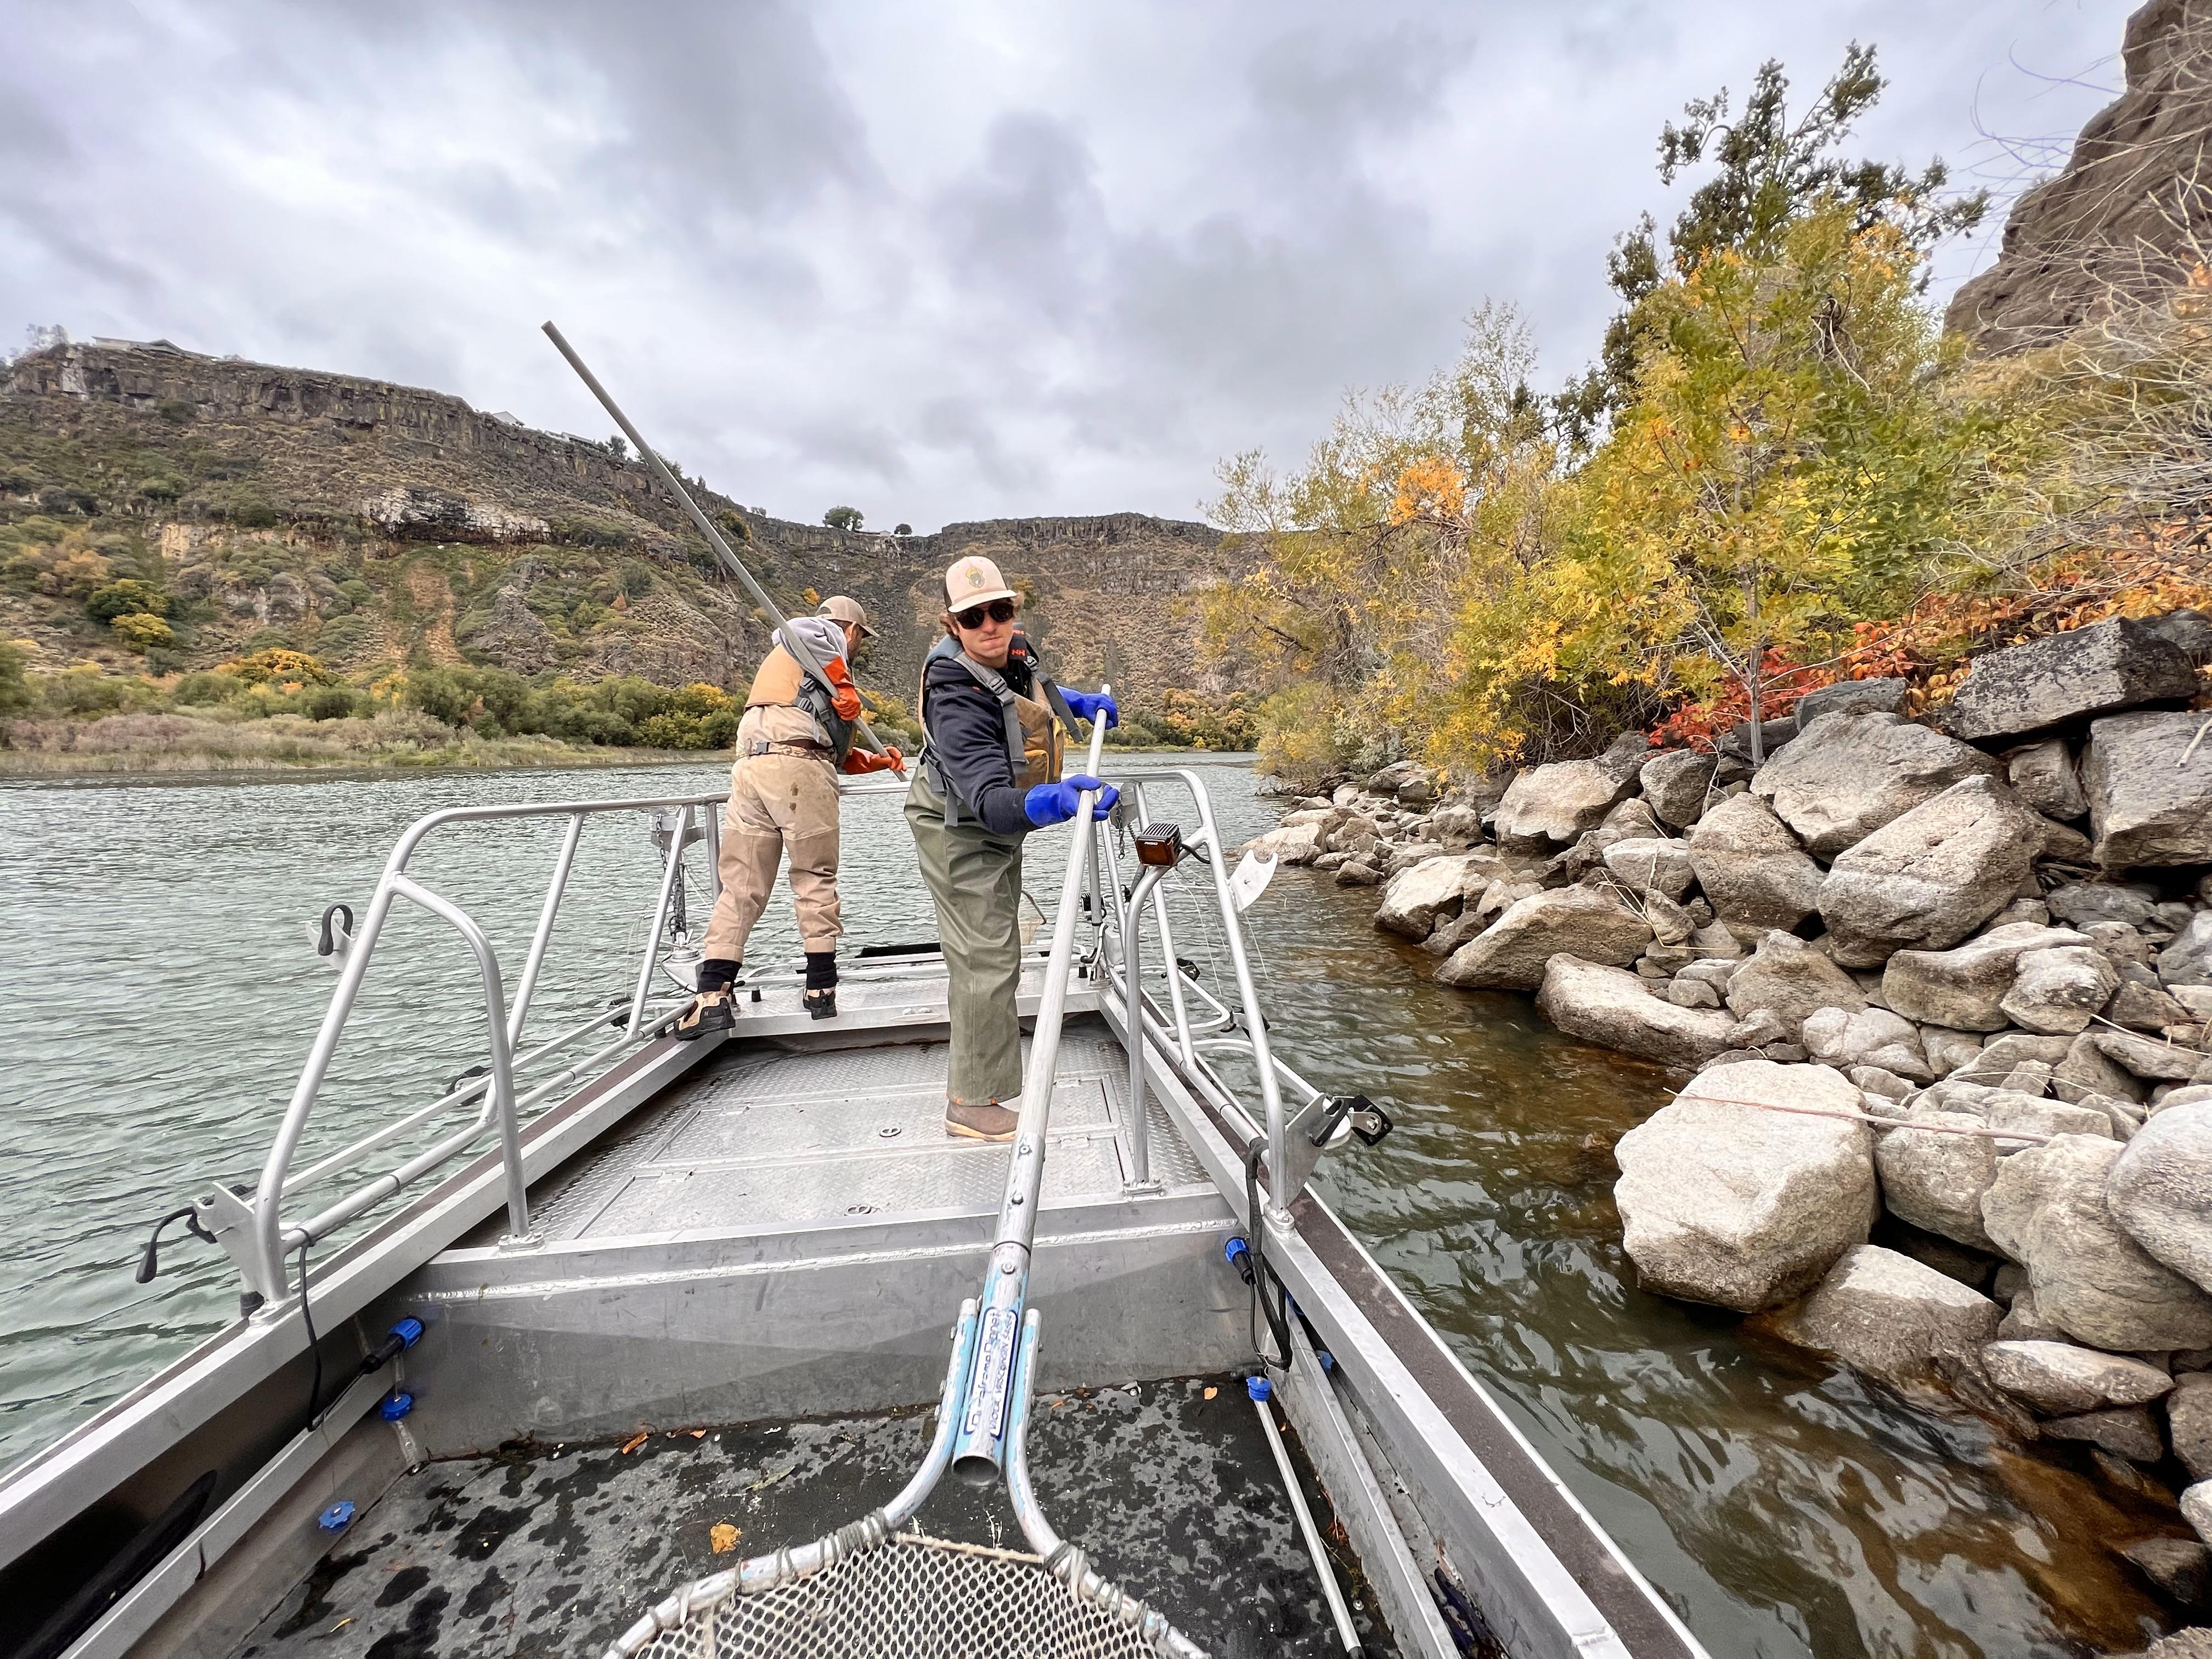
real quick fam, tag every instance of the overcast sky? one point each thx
(938, 261)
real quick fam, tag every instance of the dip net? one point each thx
(909, 1597)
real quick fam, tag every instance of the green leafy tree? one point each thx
(842, 517)
(142, 631)
(15, 692)
(123, 598)
(1772, 169)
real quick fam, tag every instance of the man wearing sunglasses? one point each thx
(992, 720)
(796, 735)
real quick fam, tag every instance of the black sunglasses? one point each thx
(998, 610)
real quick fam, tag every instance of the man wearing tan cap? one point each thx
(991, 717)
(796, 735)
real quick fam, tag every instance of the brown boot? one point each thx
(989, 1123)
(710, 1011)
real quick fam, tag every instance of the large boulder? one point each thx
(2044, 775)
(2060, 989)
(1553, 805)
(2065, 679)
(1614, 1007)
(1882, 696)
(1963, 987)
(1931, 877)
(1884, 1314)
(1660, 866)
(2145, 806)
(1871, 1036)
(2148, 1057)
(1418, 898)
(1751, 868)
(2160, 1189)
(2079, 904)
(1854, 773)
(2048, 1212)
(1935, 1179)
(1512, 952)
(2057, 1377)
(1291, 844)
(1727, 1202)
(2016, 1113)
(1675, 783)
(1790, 979)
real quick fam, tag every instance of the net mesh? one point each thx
(915, 1597)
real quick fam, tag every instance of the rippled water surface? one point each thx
(158, 988)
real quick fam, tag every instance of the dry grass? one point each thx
(189, 743)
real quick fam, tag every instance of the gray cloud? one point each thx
(940, 264)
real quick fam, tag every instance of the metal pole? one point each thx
(554, 890)
(1167, 941)
(978, 1455)
(659, 921)
(503, 1066)
(1346, 1632)
(791, 642)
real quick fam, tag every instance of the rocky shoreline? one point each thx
(1957, 968)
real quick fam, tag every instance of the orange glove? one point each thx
(859, 760)
(845, 697)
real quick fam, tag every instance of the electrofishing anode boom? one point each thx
(730, 561)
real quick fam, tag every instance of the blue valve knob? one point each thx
(1238, 1254)
(409, 1331)
(337, 1517)
(1259, 1388)
(395, 1404)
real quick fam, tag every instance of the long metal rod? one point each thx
(1167, 937)
(1346, 1632)
(554, 890)
(659, 921)
(978, 1454)
(735, 566)
(1133, 965)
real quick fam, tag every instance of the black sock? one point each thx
(821, 970)
(718, 974)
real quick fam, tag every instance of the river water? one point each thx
(159, 985)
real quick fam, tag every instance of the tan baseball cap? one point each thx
(975, 582)
(838, 608)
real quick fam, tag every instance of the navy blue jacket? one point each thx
(968, 738)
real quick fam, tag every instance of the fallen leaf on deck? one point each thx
(634, 1442)
(698, 1434)
(723, 1537)
(1210, 1392)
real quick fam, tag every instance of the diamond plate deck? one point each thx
(774, 1138)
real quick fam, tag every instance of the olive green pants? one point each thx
(975, 878)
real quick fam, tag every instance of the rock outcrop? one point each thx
(2161, 1190)
(1751, 868)
(1553, 805)
(1890, 1316)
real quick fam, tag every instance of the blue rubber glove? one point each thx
(1088, 705)
(1055, 803)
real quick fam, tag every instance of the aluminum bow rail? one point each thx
(257, 1230)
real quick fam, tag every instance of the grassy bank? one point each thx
(396, 738)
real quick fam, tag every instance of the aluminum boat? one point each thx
(622, 1344)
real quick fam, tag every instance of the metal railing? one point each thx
(263, 1233)
(1186, 1023)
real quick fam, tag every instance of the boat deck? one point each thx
(764, 1137)
(1169, 1487)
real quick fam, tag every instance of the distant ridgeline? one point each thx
(369, 523)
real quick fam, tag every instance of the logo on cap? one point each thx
(975, 575)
